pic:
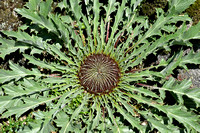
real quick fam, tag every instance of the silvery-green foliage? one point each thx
(68, 38)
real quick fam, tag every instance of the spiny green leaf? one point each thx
(136, 3)
(192, 33)
(28, 87)
(40, 63)
(54, 79)
(109, 9)
(153, 30)
(178, 6)
(27, 39)
(173, 63)
(33, 4)
(118, 18)
(158, 125)
(188, 119)
(61, 54)
(150, 48)
(61, 29)
(97, 118)
(178, 112)
(4, 101)
(140, 90)
(128, 117)
(96, 19)
(35, 127)
(62, 120)
(30, 104)
(46, 123)
(111, 115)
(45, 7)
(66, 127)
(9, 46)
(191, 58)
(47, 127)
(17, 73)
(146, 74)
(182, 89)
(76, 8)
(36, 18)
(130, 109)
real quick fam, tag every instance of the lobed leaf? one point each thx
(178, 6)
(10, 46)
(24, 39)
(173, 63)
(177, 112)
(158, 125)
(42, 64)
(61, 55)
(128, 117)
(190, 58)
(30, 103)
(192, 33)
(4, 102)
(140, 90)
(17, 73)
(182, 89)
(66, 127)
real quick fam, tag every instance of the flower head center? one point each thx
(99, 74)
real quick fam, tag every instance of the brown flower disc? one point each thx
(99, 74)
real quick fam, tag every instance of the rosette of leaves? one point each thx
(86, 69)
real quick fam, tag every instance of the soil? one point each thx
(9, 19)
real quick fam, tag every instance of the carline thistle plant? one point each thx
(85, 68)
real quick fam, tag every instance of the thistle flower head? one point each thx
(99, 74)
